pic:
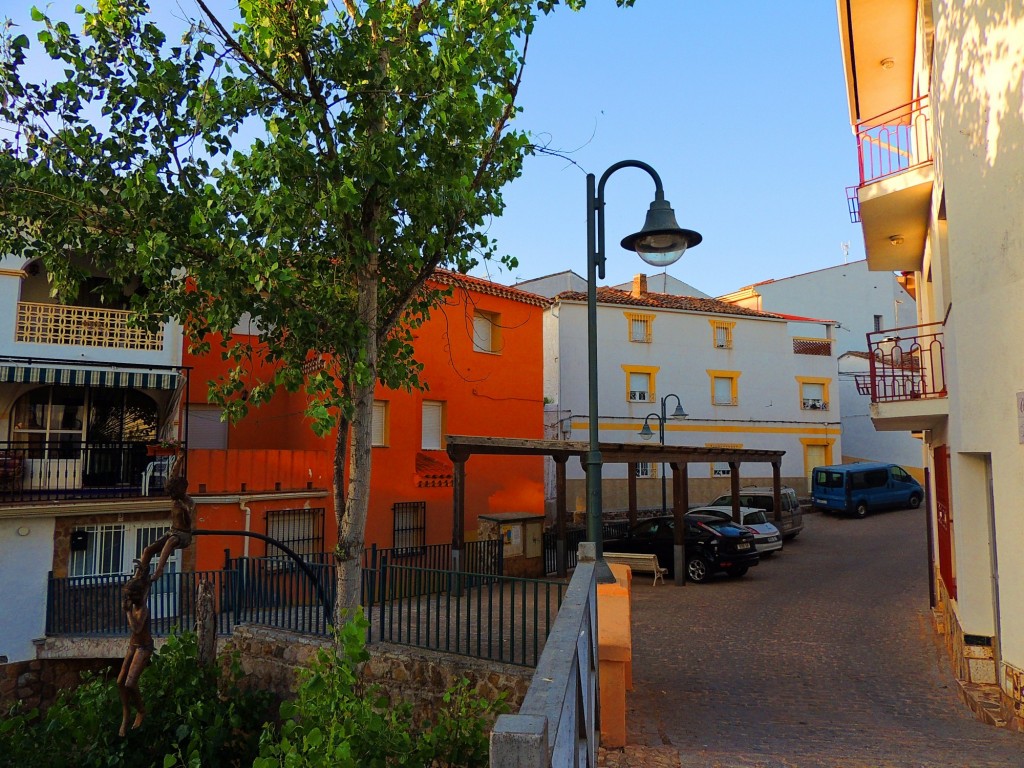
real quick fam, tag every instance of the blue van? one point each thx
(864, 487)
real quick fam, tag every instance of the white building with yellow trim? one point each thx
(936, 98)
(746, 379)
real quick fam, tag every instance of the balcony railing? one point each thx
(58, 469)
(906, 364)
(803, 345)
(895, 141)
(64, 325)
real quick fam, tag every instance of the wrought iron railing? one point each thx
(895, 141)
(573, 537)
(906, 364)
(57, 469)
(65, 325)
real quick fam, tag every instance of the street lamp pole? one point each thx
(647, 434)
(660, 243)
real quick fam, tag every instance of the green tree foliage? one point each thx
(336, 721)
(196, 717)
(309, 165)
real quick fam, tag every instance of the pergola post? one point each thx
(458, 510)
(777, 490)
(734, 487)
(631, 491)
(680, 503)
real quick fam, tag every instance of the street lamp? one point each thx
(660, 243)
(647, 434)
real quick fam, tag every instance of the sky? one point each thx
(739, 106)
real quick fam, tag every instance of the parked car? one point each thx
(864, 487)
(711, 545)
(789, 521)
(767, 538)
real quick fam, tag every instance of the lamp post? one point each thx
(647, 434)
(660, 243)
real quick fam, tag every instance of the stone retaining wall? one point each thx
(37, 682)
(270, 659)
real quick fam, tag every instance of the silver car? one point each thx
(767, 538)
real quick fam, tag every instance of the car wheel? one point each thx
(915, 501)
(862, 510)
(698, 570)
(737, 572)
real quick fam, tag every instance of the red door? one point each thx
(944, 519)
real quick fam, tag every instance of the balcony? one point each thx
(63, 325)
(893, 200)
(907, 379)
(59, 469)
(235, 471)
(805, 345)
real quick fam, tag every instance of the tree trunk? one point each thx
(352, 526)
(206, 624)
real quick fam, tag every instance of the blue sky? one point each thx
(740, 107)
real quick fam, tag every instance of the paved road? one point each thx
(823, 656)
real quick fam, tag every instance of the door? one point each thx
(814, 456)
(944, 520)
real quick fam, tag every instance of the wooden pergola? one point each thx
(678, 457)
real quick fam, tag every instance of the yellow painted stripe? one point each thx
(582, 425)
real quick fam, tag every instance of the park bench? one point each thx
(638, 563)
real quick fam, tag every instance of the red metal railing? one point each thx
(906, 364)
(895, 141)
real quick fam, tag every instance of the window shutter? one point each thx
(723, 391)
(205, 429)
(379, 423)
(482, 333)
(432, 412)
(639, 387)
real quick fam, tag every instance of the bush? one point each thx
(195, 716)
(338, 722)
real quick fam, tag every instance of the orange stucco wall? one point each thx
(487, 394)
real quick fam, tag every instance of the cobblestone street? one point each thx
(822, 656)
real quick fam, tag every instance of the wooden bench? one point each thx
(638, 563)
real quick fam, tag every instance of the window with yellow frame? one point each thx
(725, 387)
(813, 393)
(721, 333)
(640, 326)
(640, 383)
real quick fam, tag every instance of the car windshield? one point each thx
(755, 518)
(725, 527)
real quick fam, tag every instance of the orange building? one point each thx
(482, 353)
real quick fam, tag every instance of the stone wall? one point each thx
(270, 659)
(37, 682)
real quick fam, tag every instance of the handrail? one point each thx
(557, 722)
(894, 141)
(907, 366)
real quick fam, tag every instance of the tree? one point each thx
(308, 166)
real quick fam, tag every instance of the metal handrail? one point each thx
(894, 141)
(907, 366)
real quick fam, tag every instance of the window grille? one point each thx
(301, 530)
(722, 468)
(721, 333)
(640, 387)
(646, 469)
(640, 327)
(410, 526)
(101, 554)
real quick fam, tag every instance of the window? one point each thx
(433, 425)
(721, 333)
(722, 468)
(724, 387)
(380, 423)
(640, 383)
(206, 429)
(878, 322)
(410, 526)
(813, 393)
(646, 469)
(486, 332)
(108, 550)
(301, 530)
(640, 327)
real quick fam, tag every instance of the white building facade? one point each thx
(860, 302)
(936, 94)
(746, 379)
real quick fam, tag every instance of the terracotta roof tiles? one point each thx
(666, 301)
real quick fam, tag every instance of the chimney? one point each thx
(639, 286)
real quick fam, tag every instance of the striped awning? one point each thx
(87, 377)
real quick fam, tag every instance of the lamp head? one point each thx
(662, 241)
(679, 413)
(646, 433)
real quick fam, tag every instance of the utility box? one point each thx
(522, 537)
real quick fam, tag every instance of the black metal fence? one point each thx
(573, 537)
(475, 611)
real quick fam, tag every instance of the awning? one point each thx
(87, 377)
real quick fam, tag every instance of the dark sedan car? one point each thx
(712, 545)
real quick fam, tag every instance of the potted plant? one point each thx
(164, 448)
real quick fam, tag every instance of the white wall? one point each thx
(26, 554)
